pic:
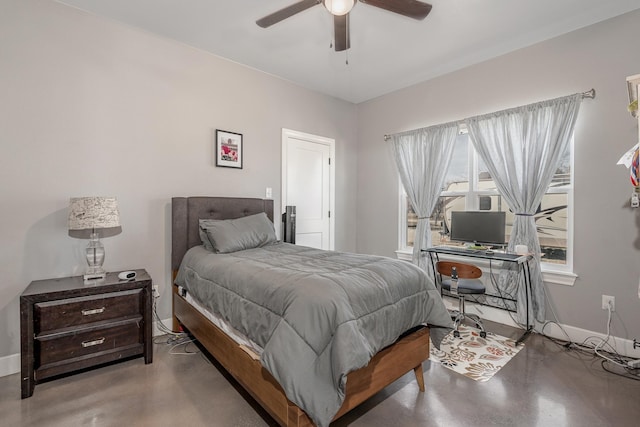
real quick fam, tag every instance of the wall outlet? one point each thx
(156, 291)
(608, 301)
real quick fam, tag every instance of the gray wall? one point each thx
(92, 107)
(607, 231)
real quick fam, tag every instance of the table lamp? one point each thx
(92, 218)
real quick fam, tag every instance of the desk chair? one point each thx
(461, 279)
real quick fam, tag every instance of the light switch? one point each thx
(269, 193)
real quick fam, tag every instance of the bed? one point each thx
(257, 371)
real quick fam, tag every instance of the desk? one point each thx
(522, 262)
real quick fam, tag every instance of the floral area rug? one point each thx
(475, 357)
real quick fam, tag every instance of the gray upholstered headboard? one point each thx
(186, 211)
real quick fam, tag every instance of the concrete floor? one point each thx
(544, 385)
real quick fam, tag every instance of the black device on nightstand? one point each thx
(67, 325)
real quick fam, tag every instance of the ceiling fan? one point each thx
(340, 10)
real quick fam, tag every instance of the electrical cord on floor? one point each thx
(594, 347)
(591, 345)
(598, 348)
(628, 375)
(175, 341)
(606, 341)
(169, 337)
(582, 350)
(161, 326)
(185, 351)
(564, 343)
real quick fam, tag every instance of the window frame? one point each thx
(554, 273)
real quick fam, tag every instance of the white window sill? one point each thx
(566, 278)
(404, 254)
(556, 277)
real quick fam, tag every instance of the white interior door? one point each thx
(308, 184)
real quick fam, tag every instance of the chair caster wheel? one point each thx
(456, 334)
(483, 334)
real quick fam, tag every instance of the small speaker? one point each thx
(289, 224)
(127, 275)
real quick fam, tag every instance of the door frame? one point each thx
(316, 139)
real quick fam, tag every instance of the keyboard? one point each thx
(453, 250)
(458, 249)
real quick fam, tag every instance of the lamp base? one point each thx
(93, 277)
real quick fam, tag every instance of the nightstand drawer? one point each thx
(71, 312)
(56, 348)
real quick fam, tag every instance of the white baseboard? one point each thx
(10, 364)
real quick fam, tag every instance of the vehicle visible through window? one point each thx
(469, 187)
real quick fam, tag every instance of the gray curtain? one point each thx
(422, 157)
(522, 148)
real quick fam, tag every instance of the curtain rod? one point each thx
(588, 94)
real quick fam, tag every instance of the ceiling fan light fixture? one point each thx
(339, 7)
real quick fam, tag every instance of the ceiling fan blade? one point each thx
(285, 13)
(409, 8)
(341, 32)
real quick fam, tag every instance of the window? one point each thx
(469, 186)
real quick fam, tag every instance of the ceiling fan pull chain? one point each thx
(346, 54)
(346, 51)
(331, 32)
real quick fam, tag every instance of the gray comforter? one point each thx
(318, 315)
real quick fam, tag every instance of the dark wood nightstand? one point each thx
(66, 326)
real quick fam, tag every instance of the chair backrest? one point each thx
(465, 271)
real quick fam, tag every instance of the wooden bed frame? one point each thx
(385, 367)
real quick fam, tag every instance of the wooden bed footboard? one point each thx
(384, 368)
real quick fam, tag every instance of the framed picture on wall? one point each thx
(228, 149)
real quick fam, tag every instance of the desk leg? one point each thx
(527, 288)
(433, 264)
(524, 336)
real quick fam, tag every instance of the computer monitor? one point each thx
(478, 227)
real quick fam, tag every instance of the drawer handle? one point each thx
(94, 311)
(92, 343)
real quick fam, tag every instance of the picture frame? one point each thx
(228, 149)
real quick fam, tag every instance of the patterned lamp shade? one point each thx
(94, 215)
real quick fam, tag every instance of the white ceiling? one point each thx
(388, 51)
